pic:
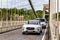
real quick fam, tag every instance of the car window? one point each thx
(42, 20)
(33, 22)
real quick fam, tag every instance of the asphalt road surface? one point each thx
(17, 35)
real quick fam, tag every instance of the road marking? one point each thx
(43, 38)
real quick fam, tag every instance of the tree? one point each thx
(28, 14)
(39, 13)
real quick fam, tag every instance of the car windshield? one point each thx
(42, 20)
(33, 22)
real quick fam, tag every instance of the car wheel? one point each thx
(23, 32)
(40, 31)
(43, 27)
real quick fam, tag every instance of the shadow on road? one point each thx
(33, 34)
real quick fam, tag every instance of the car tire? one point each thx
(43, 27)
(41, 31)
(23, 32)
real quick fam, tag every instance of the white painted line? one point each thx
(59, 29)
(43, 38)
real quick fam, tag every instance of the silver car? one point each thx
(32, 26)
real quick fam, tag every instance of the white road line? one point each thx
(43, 38)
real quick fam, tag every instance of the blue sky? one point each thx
(38, 4)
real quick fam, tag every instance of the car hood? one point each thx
(31, 25)
(42, 23)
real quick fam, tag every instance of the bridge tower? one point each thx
(45, 7)
(54, 23)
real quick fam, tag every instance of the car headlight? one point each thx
(38, 28)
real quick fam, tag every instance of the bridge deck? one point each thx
(17, 35)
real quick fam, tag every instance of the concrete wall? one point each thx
(52, 8)
(53, 27)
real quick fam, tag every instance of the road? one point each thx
(17, 35)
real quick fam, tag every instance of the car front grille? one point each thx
(30, 28)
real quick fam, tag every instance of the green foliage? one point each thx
(28, 14)
(47, 17)
(59, 15)
(39, 13)
(55, 15)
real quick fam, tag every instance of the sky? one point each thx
(59, 5)
(38, 4)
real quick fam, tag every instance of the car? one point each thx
(32, 26)
(43, 22)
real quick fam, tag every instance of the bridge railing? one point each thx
(10, 25)
(54, 28)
